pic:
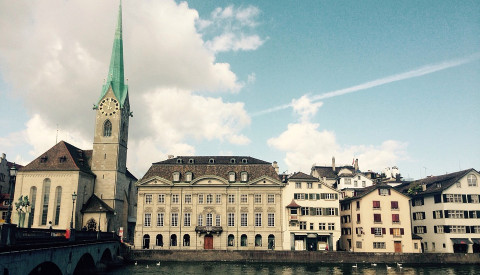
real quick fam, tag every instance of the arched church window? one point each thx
(107, 128)
(58, 200)
(33, 199)
(45, 198)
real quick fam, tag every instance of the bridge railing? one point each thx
(30, 235)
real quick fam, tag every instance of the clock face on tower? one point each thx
(109, 106)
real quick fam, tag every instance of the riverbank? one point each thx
(300, 257)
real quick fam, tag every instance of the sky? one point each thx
(390, 83)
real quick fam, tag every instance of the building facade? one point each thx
(445, 211)
(311, 215)
(377, 220)
(228, 203)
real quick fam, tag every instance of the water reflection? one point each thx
(290, 269)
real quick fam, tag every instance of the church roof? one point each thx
(93, 206)
(62, 157)
(116, 76)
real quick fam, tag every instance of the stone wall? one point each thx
(302, 257)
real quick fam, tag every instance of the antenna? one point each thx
(56, 138)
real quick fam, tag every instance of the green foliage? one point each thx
(414, 189)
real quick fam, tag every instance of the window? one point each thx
(161, 198)
(438, 214)
(472, 180)
(186, 219)
(319, 186)
(395, 218)
(173, 240)
(188, 176)
(376, 204)
(418, 215)
(397, 232)
(318, 211)
(46, 197)
(209, 219)
(231, 176)
(176, 176)
(438, 229)
(419, 229)
(174, 219)
(358, 205)
(200, 220)
(200, 198)
(186, 240)
(230, 240)
(458, 184)
(43, 159)
(271, 198)
(321, 226)
(209, 199)
(271, 220)
(243, 219)
(188, 198)
(258, 198)
(305, 211)
(348, 181)
(379, 245)
(359, 244)
(148, 198)
(359, 230)
(332, 211)
(231, 219)
(179, 160)
(258, 219)
(303, 225)
(160, 219)
(455, 214)
(355, 183)
(394, 205)
(218, 221)
(364, 183)
(58, 201)
(243, 240)
(298, 185)
(107, 128)
(175, 198)
(244, 176)
(244, 161)
(377, 231)
(309, 185)
(191, 161)
(311, 226)
(231, 198)
(232, 161)
(258, 240)
(211, 161)
(33, 198)
(457, 229)
(218, 199)
(383, 192)
(452, 198)
(329, 196)
(61, 160)
(299, 196)
(243, 198)
(148, 219)
(377, 218)
(293, 211)
(331, 226)
(358, 218)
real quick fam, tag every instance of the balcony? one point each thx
(208, 229)
(293, 217)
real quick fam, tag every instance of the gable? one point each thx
(154, 181)
(265, 181)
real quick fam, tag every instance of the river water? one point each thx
(215, 268)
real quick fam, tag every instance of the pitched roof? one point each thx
(62, 157)
(328, 172)
(293, 204)
(93, 206)
(202, 167)
(367, 190)
(434, 184)
(302, 176)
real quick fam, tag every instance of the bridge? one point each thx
(46, 251)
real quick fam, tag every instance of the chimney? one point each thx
(275, 165)
(356, 165)
(171, 156)
(424, 187)
(333, 163)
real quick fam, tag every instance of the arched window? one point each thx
(159, 240)
(271, 241)
(186, 240)
(45, 199)
(472, 180)
(91, 225)
(173, 240)
(231, 176)
(33, 199)
(107, 128)
(176, 176)
(146, 241)
(231, 240)
(188, 176)
(244, 176)
(258, 240)
(58, 201)
(243, 240)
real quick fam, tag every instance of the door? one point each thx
(398, 247)
(208, 242)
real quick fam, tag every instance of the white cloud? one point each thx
(251, 78)
(305, 108)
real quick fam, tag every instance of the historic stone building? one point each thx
(99, 177)
(219, 202)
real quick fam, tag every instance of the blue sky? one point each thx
(200, 72)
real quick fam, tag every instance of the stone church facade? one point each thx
(105, 188)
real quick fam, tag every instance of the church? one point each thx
(86, 189)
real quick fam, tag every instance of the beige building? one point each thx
(445, 211)
(210, 203)
(377, 220)
(311, 215)
(99, 177)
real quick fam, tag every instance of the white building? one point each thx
(311, 217)
(445, 211)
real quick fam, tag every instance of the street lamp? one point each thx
(99, 218)
(13, 176)
(74, 197)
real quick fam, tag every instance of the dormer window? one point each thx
(62, 159)
(244, 176)
(244, 161)
(232, 161)
(179, 161)
(231, 177)
(211, 161)
(188, 176)
(191, 161)
(176, 176)
(43, 159)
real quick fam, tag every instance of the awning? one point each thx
(460, 241)
(312, 235)
(476, 240)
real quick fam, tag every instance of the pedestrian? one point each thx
(50, 225)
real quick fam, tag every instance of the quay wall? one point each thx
(301, 257)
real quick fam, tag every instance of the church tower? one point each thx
(111, 131)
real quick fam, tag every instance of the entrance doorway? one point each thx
(398, 246)
(146, 241)
(460, 248)
(312, 244)
(208, 242)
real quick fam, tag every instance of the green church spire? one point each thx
(116, 78)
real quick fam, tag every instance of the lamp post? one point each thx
(99, 218)
(74, 197)
(13, 176)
